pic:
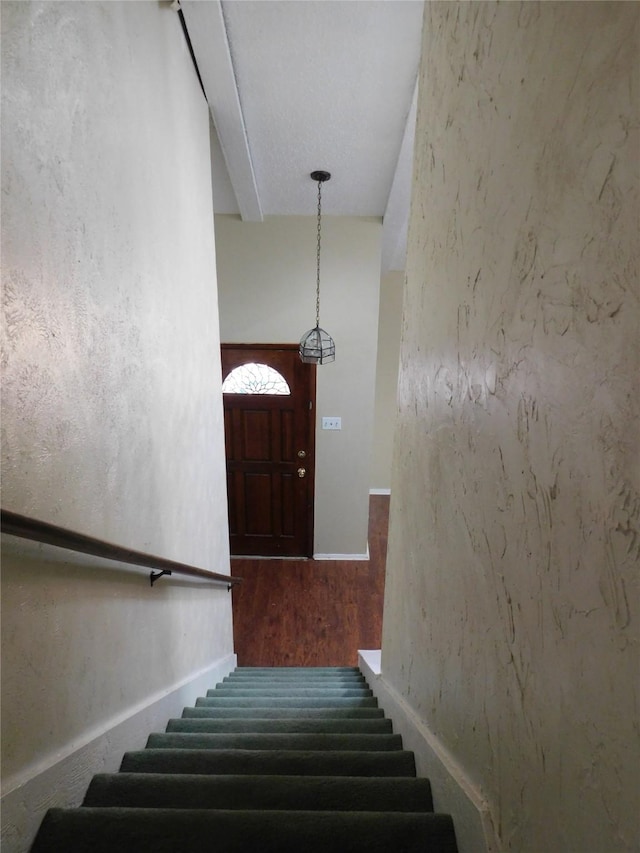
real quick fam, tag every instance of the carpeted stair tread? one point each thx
(274, 740)
(290, 725)
(284, 713)
(147, 790)
(288, 702)
(320, 678)
(302, 671)
(286, 676)
(292, 683)
(270, 762)
(96, 830)
(263, 684)
(284, 692)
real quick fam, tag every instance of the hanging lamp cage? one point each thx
(316, 345)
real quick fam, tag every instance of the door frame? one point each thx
(311, 424)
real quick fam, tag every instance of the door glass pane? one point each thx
(255, 378)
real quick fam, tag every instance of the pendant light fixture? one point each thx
(317, 346)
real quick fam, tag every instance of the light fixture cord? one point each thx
(318, 255)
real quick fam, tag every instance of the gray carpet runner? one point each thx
(282, 760)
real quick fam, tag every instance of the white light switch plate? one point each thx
(332, 423)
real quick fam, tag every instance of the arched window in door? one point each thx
(253, 378)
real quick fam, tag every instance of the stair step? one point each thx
(270, 762)
(96, 830)
(288, 684)
(298, 670)
(148, 790)
(286, 725)
(327, 680)
(289, 671)
(252, 692)
(288, 702)
(277, 741)
(282, 713)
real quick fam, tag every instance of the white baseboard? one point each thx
(379, 491)
(453, 792)
(62, 781)
(342, 556)
(315, 557)
(261, 557)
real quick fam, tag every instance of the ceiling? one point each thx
(298, 85)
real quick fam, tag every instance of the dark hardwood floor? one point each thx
(312, 612)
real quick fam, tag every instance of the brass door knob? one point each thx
(302, 472)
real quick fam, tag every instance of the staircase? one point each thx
(286, 759)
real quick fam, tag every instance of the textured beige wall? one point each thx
(112, 421)
(266, 278)
(511, 612)
(389, 328)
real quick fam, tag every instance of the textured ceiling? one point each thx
(297, 85)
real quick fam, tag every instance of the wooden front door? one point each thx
(269, 425)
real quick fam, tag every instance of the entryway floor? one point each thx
(312, 612)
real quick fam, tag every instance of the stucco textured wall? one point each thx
(112, 414)
(266, 279)
(511, 598)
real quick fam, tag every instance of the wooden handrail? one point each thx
(41, 531)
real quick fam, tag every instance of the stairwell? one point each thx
(280, 759)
